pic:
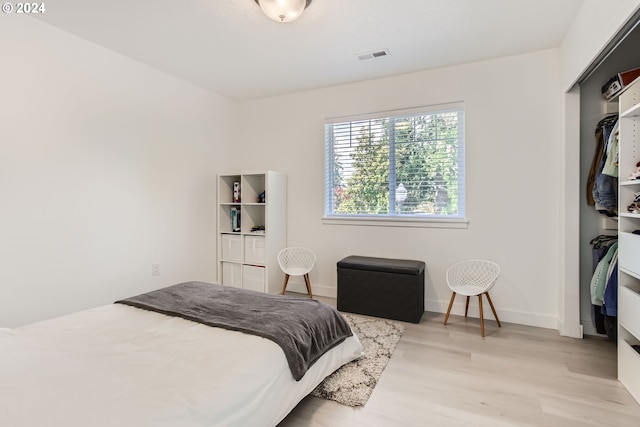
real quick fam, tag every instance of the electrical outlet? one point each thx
(155, 269)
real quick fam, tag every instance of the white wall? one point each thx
(99, 148)
(568, 215)
(512, 148)
(106, 166)
(596, 24)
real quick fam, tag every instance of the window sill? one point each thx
(420, 222)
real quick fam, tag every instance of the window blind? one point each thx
(396, 164)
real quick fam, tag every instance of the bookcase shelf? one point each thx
(247, 257)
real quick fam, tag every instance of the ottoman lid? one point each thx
(387, 265)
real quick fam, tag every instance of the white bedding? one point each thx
(120, 366)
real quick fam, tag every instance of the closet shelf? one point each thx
(629, 215)
(631, 112)
(629, 246)
(629, 272)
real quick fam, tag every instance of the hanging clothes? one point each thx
(610, 300)
(595, 163)
(611, 164)
(601, 275)
(601, 246)
(610, 305)
(601, 186)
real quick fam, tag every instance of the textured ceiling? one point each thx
(233, 49)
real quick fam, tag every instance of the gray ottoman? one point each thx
(381, 287)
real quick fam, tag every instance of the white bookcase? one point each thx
(629, 242)
(247, 258)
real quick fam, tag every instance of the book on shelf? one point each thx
(235, 219)
(236, 192)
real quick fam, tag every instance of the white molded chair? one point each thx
(296, 262)
(471, 278)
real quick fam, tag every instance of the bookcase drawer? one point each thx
(231, 274)
(230, 247)
(254, 249)
(253, 278)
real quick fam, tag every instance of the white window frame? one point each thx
(396, 220)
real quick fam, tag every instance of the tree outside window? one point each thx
(398, 165)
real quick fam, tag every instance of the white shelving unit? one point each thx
(629, 243)
(246, 257)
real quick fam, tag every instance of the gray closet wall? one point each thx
(593, 108)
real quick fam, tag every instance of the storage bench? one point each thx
(381, 287)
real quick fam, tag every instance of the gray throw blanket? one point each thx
(305, 329)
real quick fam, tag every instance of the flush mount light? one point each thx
(283, 10)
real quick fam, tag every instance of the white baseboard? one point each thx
(505, 315)
(572, 332)
(590, 329)
(319, 290)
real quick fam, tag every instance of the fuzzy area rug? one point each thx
(353, 383)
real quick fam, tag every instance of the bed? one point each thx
(120, 365)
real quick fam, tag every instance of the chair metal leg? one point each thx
(493, 309)
(307, 282)
(466, 307)
(453, 296)
(284, 288)
(481, 315)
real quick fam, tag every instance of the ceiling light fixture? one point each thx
(283, 10)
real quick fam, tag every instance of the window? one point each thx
(398, 166)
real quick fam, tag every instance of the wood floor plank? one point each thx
(516, 376)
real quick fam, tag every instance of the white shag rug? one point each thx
(353, 383)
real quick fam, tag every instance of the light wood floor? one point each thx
(515, 376)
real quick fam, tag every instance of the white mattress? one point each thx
(120, 366)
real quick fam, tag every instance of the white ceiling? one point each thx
(233, 49)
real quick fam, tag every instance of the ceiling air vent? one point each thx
(372, 54)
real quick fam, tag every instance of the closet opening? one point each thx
(599, 122)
